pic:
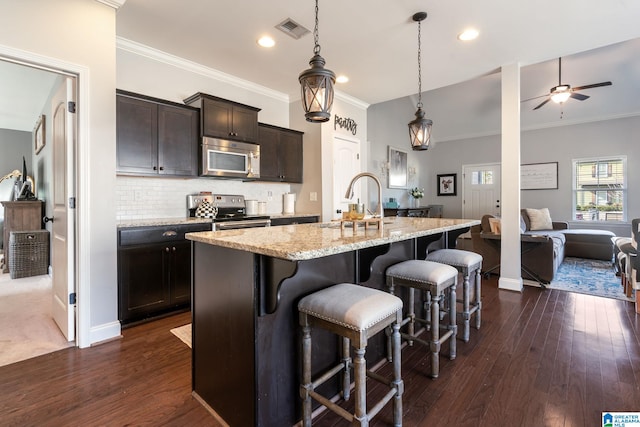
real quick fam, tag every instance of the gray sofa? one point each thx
(542, 250)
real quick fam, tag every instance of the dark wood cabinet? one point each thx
(155, 137)
(154, 270)
(20, 216)
(226, 119)
(294, 220)
(280, 154)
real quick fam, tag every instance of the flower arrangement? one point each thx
(417, 193)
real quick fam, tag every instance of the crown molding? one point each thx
(350, 100)
(194, 67)
(116, 4)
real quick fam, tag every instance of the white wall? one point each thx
(80, 35)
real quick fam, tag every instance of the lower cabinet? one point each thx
(154, 270)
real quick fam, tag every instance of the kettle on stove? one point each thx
(206, 210)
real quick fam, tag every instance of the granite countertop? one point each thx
(308, 241)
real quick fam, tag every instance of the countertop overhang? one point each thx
(309, 241)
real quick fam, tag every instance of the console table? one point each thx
(19, 216)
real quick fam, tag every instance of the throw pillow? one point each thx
(523, 225)
(540, 219)
(494, 223)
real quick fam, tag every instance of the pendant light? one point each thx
(420, 128)
(316, 85)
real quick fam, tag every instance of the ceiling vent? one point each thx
(292, 28)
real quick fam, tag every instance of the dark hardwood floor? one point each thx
(541, 358)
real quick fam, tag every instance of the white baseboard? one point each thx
(510, 284)
(105, 332)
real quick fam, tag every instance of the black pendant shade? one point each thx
(420, 131)
(316, 85)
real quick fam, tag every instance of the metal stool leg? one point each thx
(478, 300)
(306, 376)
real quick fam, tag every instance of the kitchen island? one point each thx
(246, 286)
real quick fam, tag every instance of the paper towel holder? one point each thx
(288, 203)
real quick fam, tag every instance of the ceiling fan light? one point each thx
(560, 97)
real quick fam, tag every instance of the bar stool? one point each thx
(465, 262)
(433, 278)
(355, 313)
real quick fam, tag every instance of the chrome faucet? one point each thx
(349, 193)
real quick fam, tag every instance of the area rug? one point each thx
(588, 276)
(184, 333)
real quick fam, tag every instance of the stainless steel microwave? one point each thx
(229, 159)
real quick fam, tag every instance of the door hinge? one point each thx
(72, 298)
(72, 202)
(71, 106)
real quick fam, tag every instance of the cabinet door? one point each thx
(180, 273)
(177, 141)
(269, 161)
(137, 137)
(244, 124)
(216, 118)
(290, 154)
(143, 284)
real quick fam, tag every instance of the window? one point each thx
(600, 189)
(482, 177)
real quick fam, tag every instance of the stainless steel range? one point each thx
(231, 211)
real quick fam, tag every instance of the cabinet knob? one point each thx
(166, 250)
(155, 168)
(161, 168)
(173, 249)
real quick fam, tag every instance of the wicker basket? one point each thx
(29, 253)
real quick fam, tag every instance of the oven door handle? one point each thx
(233, 225)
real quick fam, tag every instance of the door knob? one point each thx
(47, 219)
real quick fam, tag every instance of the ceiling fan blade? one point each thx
(541, 104)
(535, 97)
(592, 86)
(578, 96)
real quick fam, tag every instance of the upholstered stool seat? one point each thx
(433, 278)
(465, 262)
(356, 313)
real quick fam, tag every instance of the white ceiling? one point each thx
(374, 42)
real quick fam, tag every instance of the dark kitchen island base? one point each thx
(245, 290)
(245, 325)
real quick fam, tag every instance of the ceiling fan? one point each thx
(562, 92)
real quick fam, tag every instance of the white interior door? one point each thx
(63, 134)
(481, 190)
(346, 164)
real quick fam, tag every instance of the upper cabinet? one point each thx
(226, 119)
(280, 154)
(155, 137)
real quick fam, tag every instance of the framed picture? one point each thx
(39, 134)
(539, 176)
(397, 168)
(447, 184)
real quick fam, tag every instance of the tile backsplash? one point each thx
(149, 198)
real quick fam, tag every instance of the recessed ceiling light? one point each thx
(342, 79)
(468, 34)
(266, 41)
